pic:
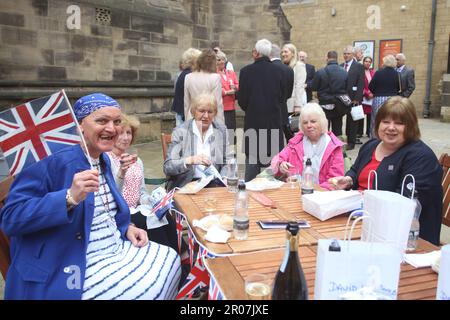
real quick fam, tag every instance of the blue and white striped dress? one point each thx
(115, 269)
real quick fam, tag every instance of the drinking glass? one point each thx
(258, 286)
(210, 204)
(293, 177)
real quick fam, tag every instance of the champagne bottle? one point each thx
(290, 283)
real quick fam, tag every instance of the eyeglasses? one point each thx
(209, 112)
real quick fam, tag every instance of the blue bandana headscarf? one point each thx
(92, 102)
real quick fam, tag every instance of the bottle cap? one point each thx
(308, 162)
(292, 227)
(241, 185)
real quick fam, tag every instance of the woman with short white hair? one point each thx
(313, 142)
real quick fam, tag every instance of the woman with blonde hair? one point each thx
(289, 56)
(204, 79)
(188, 60)
(385, 84)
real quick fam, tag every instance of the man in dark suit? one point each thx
(406, 76)
(288, 85)
(330, 82)
(260, 96)
(310, 72)
(355, 87)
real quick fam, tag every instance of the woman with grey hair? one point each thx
(290, 57)
(197, 144)
(187, 62)
(385, 84)
(313, 142)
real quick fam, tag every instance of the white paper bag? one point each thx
(327, 204)
(392, 215)
(443, 287)
(357, 113)
(357, 266)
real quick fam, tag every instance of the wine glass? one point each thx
(258, 286)
(210, 204)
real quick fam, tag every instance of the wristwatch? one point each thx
(70, 201)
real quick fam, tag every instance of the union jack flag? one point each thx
(214, 292)
(197, 278)
(164, 205)
(36, 129)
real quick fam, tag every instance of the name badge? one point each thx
(355, 88)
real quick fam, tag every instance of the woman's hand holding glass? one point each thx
(285, 167)
(126, 161)
(84, 182)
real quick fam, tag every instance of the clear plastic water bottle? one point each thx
(240, 220)
(308, 178)
(415, 225)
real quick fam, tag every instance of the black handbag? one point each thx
(345, 99)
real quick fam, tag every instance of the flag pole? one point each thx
(79, 129)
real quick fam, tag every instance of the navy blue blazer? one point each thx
(419, 160)
(48, 243)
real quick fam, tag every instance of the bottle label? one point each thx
(240, 225)
(307, 191)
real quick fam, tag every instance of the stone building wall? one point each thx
(316, 31)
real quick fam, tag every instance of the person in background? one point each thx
(288, 85)
(230, 86)
(204, 78)
(289, 56)
(355, 87)
(368, 95)
(314, 142)
(395, 152)
(196, 144)
(228, 64)
(187, 62)
(385, 84)
(69, 226)
(128, 172)
(359, 55)
(408, 82)
(260, 96)
(310, 72)
(330, 82)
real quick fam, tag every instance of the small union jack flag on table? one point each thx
(36, 129)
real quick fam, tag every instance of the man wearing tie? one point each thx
(355, 87)
(408, 84)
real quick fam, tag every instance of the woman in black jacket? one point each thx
(396, 152)
(385, 84)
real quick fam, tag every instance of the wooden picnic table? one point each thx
(289, 207)
(230, 272)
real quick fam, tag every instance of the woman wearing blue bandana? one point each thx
(70, 229)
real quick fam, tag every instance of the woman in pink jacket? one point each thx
(314, 142)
